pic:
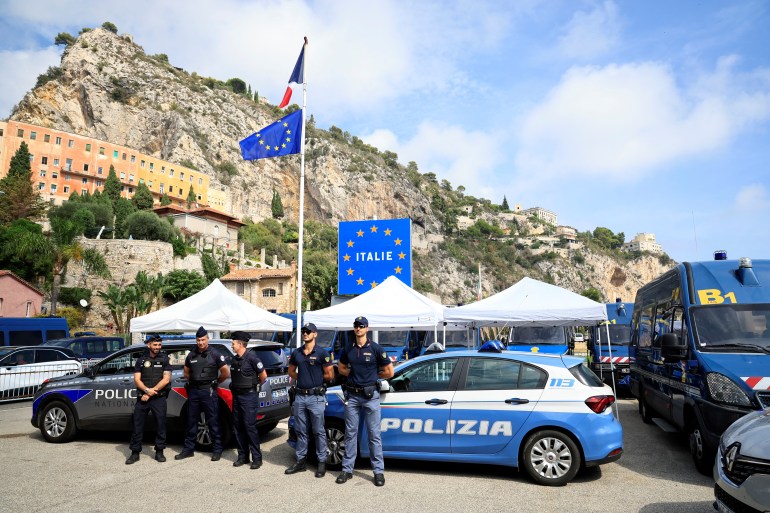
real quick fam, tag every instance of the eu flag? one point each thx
(284, 137)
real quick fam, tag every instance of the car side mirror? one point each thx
(383, 385)
(89, 372)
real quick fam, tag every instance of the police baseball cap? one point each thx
(309, 327)
(153, 338)
(361, 321)
(201, 332)
(240, 335)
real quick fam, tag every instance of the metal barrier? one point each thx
(22, 381)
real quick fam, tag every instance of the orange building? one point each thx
(63, 163)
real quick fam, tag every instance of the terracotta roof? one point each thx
(21, 280)
(258, 274)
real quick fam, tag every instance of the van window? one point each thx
(645, 330)
(26, 337)
(53, 334)
(392, 338)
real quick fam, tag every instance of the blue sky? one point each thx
(646, 116)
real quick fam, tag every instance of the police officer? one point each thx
(310, 366)
(152, 374)
(247, 373)
(363, 363)
(204, 369)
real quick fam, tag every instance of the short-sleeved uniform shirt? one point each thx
(364, 362)
(214, 361)
(310, 367)
(159, 365)
(250, 367)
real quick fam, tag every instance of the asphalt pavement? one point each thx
(655, 475)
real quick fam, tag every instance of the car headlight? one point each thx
(725, 390)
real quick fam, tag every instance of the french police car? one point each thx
(547, 414)
(102, 397)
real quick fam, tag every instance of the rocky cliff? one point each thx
(111, 90)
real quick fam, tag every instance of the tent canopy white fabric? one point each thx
(215, 308)
(391, 305)
(532, 303)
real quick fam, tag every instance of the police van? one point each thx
(608, 348)
(31, 331)
(540, 339)
(700, 349)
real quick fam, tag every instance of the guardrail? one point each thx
(22, 381)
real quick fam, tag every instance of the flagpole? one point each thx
(301, 203)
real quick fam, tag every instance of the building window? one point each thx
(268, 293)
(239, 288)
(54, 175)
(122, 175)
(85, 180)
(44, 161)
(181, 175)
(130, 178)
(163, 169)
(123, 156)
(55, 162)
(42, 173)
(133, 158)
(88, 146)
(149, 184)
(29, 309)
(280, 289)
(161, 188)
(41, 186)
(101, 150)
(20, 133)
(200, 181)
(53, 187)
(83, 192)
(70, 143)
(67, 178)
(99, 170)
(58, 141)
(122, 188)
(46, 137)
(66, 189)
(33, 136)
(85, 168)
(31, 158)
(170, 189)
(171, 172)
(151, 166)
(115, 154)
(142, 164)
(98, 183)
(130, 190)
(68, 164)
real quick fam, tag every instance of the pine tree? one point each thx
(191, 197)
(112, 186)
(19, 199)
(277, 206)
(143, 199)
(165, 200)
(504, 206)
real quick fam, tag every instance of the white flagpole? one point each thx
(301, 200)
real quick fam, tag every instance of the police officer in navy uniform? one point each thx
(310, 366)
(363, 363)
(204, 369)
(152, 374)
(247, 373)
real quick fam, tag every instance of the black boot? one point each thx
(321, 470)
(133, 458)
(299, 466)
(159, 457)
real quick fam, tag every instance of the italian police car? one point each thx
(102, 397)
(547, 414)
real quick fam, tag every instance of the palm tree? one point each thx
(115, 303)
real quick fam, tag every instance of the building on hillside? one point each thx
(567, 233)
(643, 242)
(271, 289)
(211, 226)
(18, 297)
(63, 163)
(542, 214)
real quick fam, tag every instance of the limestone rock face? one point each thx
(111, 90)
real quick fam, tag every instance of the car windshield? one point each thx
(270, 358)
(261, 335)
(453, 338)
(391, 338)
(59, 343)
(533, 335)
(733, 326)
(620, 335)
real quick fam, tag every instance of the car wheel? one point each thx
(58, 423)
(203, 439)
(266, 428)
(335, 443)
(551, 458)
(702, 455)
(644, 409)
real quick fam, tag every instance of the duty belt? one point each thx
(358, 390)
(201, 384)
(311, 391)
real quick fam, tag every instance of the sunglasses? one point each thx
(357, 326)
(306, 332)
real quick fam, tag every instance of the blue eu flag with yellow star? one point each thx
(284, 137)
(370, 251)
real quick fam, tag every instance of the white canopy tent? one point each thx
(216, 309)
(532, 303)
(391, 305)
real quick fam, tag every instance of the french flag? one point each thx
(297, 76)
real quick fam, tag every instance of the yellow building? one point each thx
(63, 163)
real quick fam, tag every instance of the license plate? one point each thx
(722, 507)
(281, 392)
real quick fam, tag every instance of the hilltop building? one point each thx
(271, 289)
(643, 242)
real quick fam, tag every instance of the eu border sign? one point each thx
(370, 251)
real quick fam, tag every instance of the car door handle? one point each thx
(516, 400)
(436, 401)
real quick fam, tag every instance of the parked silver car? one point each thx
(742, 467)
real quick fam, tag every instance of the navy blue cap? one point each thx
(361, 321)
(240, 335)
(201, 332)
(309, 326)
(153, 338)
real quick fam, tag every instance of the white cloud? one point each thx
(621, 122)
(463, 157)
(25, 66)
(752, 199)
(590, 34)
